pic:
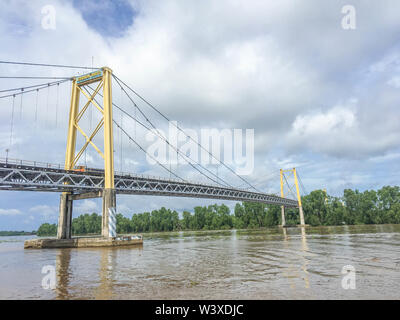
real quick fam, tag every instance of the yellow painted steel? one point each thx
(297, 186)
(282, 207)
(71, 139)
(326, 196)
(108, 131)
(71, 158)
(282, 172)
(296, 182)
(89, 140)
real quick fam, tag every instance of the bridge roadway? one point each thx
(34, 176)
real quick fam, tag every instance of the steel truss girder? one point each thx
(32, 178)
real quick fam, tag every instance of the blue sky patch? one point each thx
(109, 18)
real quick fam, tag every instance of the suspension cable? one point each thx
(43, 87)
(37, 98)
(141, 148)
(168, 143)
(302, 185)
(29, 87)
(58, 87)
(120, 141)
(46, 65)
(47, 101)
(20, 109)
(12, 121)
(179, 128)
(290, 189)
(54, 78)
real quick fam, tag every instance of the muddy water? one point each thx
(262, 264)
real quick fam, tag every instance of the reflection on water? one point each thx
(63, 259)
(277, 263)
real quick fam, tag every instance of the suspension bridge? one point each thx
(76, 182)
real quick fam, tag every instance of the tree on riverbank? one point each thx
(47, 229)
(355, 207)
(16, 233)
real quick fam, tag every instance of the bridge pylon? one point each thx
(296, 182)
(103, 77)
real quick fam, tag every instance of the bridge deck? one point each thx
(52, 178)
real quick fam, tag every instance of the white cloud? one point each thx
(86, 206)
(394, 82)
(386, 157)
(338, 132)
(10, 212)
(334, 121)
(46, 211)
(271, 66)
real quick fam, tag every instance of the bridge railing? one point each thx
(18, 174)
(47, 165)
(19, 162)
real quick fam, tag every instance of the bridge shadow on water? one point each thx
(104, 270)
(67, 275)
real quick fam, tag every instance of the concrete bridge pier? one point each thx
(302, 223)
(283, 216)
(109, 219)
(64, 230)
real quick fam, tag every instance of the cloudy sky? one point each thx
(319, 97)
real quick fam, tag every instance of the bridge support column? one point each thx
(301, 216)
(283, 216)
(64, 230)
(109, 219)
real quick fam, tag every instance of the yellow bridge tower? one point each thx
(296, 182)
(103, 78)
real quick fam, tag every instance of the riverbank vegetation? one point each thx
(353, 208)
(16, 233)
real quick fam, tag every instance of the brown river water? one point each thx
(295, 263)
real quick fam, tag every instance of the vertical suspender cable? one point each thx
(120, 138)
(135, 120)
(58, 87)
(47, 103)
(120, 141)
(177, 158)
(12, 121)
(37, 98)
(20, 111)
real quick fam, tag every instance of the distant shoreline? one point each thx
(16, 233)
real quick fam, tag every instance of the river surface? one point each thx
(295, 263)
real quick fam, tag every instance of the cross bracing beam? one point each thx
(22, 177)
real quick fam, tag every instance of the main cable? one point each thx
(33, 77)
(46, 65)
(141, 148)
(163, 138)
(50, 84)
(302, 185)
(28, 87)
(179, 128)
(173, 147)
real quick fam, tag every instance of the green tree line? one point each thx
(16, 233)
(354, 207)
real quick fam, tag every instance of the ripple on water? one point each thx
(258, 264)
